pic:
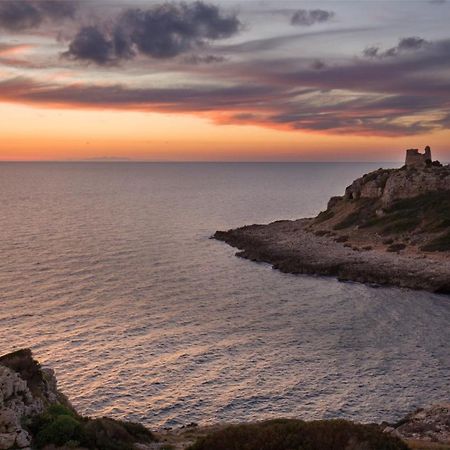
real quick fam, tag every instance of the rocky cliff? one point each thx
(26, 390)
(390, 185)
(35, 414)
(408, 207)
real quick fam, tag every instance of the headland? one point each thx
(391, 227)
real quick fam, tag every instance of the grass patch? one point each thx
(440, 244)
(351, 220)
(432, 209)
(289, 434)
(430, 212)
(401, 225)
(364, 211)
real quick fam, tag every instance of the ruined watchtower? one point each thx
(416, 159)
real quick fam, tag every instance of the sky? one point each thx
(247, 80)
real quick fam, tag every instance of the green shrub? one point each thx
(284, 434)
(59, 426)
(62, 429)
(109, 434)
(430, 210)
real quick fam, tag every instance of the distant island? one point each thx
(34, 414)
(391, 227)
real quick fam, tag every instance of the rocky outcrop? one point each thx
(26, 390)
(430, 424)
(33, 412)
(389, 185)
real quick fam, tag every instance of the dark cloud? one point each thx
(407, 44)
(19, 15)
(304, 17)
(92, 45)
(318, 65)
(162, 31)
(204, 59)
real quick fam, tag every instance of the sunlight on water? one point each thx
(107, 272)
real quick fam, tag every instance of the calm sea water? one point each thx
(107, 272)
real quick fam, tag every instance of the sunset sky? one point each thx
(224, 80)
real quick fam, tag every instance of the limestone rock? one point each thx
(389, 185)
(429, 424)
(25, 391)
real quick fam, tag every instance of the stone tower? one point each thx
(416, 159)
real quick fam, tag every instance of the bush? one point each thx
(109, 434)
(285, 434)
(59, 431)
(59, 426)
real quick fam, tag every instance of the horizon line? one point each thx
(133, 161)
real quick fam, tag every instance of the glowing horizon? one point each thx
(231, 88)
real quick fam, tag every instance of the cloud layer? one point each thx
(166, 58)
(162, 31)
(404, 45)
(395, 95)
(19, 15)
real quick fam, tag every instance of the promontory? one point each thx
(391, 227)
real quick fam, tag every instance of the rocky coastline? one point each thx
(34, 414)
(291, 247)
(391, 227)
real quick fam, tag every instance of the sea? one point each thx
(108, 273)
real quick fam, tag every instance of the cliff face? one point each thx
(26, 390)
(389, 185)
(33, 413)
(407, 207)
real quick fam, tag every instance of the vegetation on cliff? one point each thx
(422, 221)
(61, 426)
(289, 434)
(34, 413)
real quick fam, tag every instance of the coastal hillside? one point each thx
(391, 227)
(406, 209)
(34, 414)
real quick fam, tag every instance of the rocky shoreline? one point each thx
(292, 247)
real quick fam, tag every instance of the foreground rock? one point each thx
(427, 424)
(34, 413)
(391, 227)
(26, 390)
